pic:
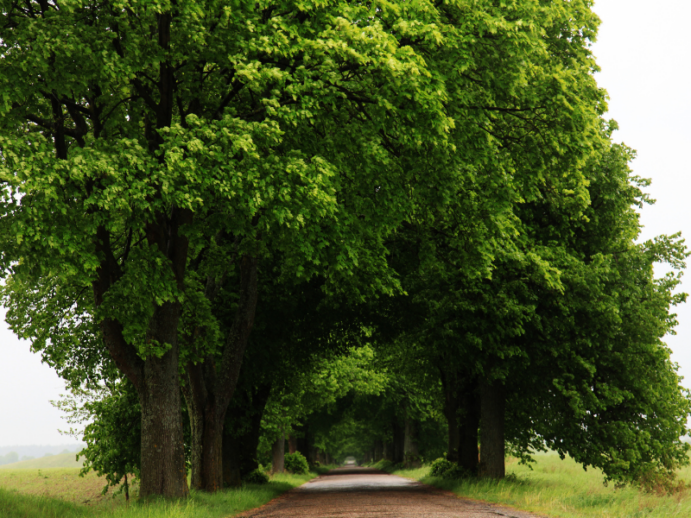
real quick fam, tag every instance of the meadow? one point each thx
(562, 489)
(61, 493)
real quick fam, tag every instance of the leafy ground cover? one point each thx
(562, 489)
(61, 493)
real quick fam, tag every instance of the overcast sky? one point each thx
(645, 54)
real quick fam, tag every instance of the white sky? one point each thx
(644, 51)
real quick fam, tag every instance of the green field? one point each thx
(61, 493)
(62, 460)
(562, 489)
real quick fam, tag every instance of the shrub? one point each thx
(384, 465)
(446, 469)
(296, 463)
(412, 461)
(439, 467)
(455, 472)
(257, 477)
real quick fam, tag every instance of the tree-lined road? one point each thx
(366, 492)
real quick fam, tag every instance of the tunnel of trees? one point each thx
(396, 231)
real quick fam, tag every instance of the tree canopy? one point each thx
(214, 205)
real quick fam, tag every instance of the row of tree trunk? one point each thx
(475, 410)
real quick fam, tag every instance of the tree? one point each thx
(137, 137)
(150, 153)
(563, 344)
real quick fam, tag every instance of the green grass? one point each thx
(561, 489)
(60, 493)
(63, 460)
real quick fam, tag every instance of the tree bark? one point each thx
(303, 443)
(156, 379)
(452, 405)
(492, 410)
(162, 456)
(292, 444)
(209, 390)
(411, 453)
(321, 458)
(240, 450)
(387, 451)
(470, 421)
(398, 442)
(378, 450)
(278, 455)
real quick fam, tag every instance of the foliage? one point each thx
(439, 467)
(385, 465)
(319, 387)
(296, 463)
(446, 469)
(449, 155)
(258, 476)
(112, 420)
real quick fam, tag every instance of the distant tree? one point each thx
(9, 458)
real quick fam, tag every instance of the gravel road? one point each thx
(368, 493)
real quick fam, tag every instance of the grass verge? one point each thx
(29, 495)
(562, 489)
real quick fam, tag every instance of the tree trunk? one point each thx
(302, 441)
(492, 430)
(232, 451)
(212, 450)
(210, 389)
(278, 455)
(196, 417)
(452, 405)
(378, 450)
(240, 451)
(206, 431)
(292, 444)
(156, 379)
(387, 451)
(398, 442)
(163, 456)
(411, 453)
(470, 421)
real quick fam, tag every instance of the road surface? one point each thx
(368, 493)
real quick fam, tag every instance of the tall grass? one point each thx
(562, 489)
(14, 503)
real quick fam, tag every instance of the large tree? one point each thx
(563, 345)
(135, 137)
(151, 152)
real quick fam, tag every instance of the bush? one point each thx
(456, 472)
(412, 461)
(448, 470)
(256, 477)
(439, 467)
(296, 463)
(385, 465)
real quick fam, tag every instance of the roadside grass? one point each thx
(63, 494)
(562, 489)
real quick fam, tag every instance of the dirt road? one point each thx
(365, 492)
